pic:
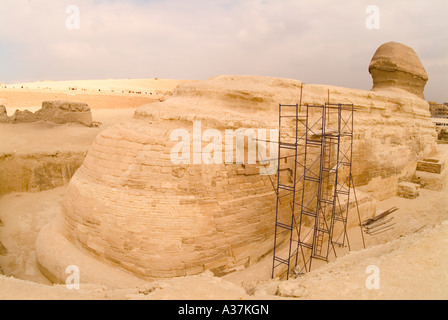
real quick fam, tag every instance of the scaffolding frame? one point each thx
(313, 192)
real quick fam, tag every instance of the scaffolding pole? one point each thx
(313, 191)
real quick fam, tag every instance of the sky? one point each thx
(315, 41)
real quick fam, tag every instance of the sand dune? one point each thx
(98, 94)
(144, 85)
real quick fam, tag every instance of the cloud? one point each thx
(318, 41)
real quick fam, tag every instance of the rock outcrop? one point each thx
(3, 115)
(59, 112)
(396, 65)
(37, 171)
(3, 250)
(408, 190)
(131, 206)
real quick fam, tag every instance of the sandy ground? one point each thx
(25, 138)
(98, 94)
(144, 85)
(412, 261)
(411, 258)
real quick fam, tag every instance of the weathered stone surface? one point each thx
(432, 173)
(62, 253)
(3, 115)
(408, 190)
(438, 110)
(37, 172)
(130, 206)
(443, 135)
(23, 116)
(54, 111)
(65, 112)
(398, 66)
(430, 165)
(3, 250)
(431, 181)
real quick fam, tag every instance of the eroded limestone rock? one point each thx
(38, 171)
(408, 190)
(59, 112)
(3, 250)
(396, 65)
(3, 114)
(131, 207)
(65, 112)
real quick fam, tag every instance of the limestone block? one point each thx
(430, 165)
(443, 136)
(408, 190)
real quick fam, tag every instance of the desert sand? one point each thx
(98, 94)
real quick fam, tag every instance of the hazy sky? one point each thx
(316, 41)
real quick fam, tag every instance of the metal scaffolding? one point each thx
(314, 180)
